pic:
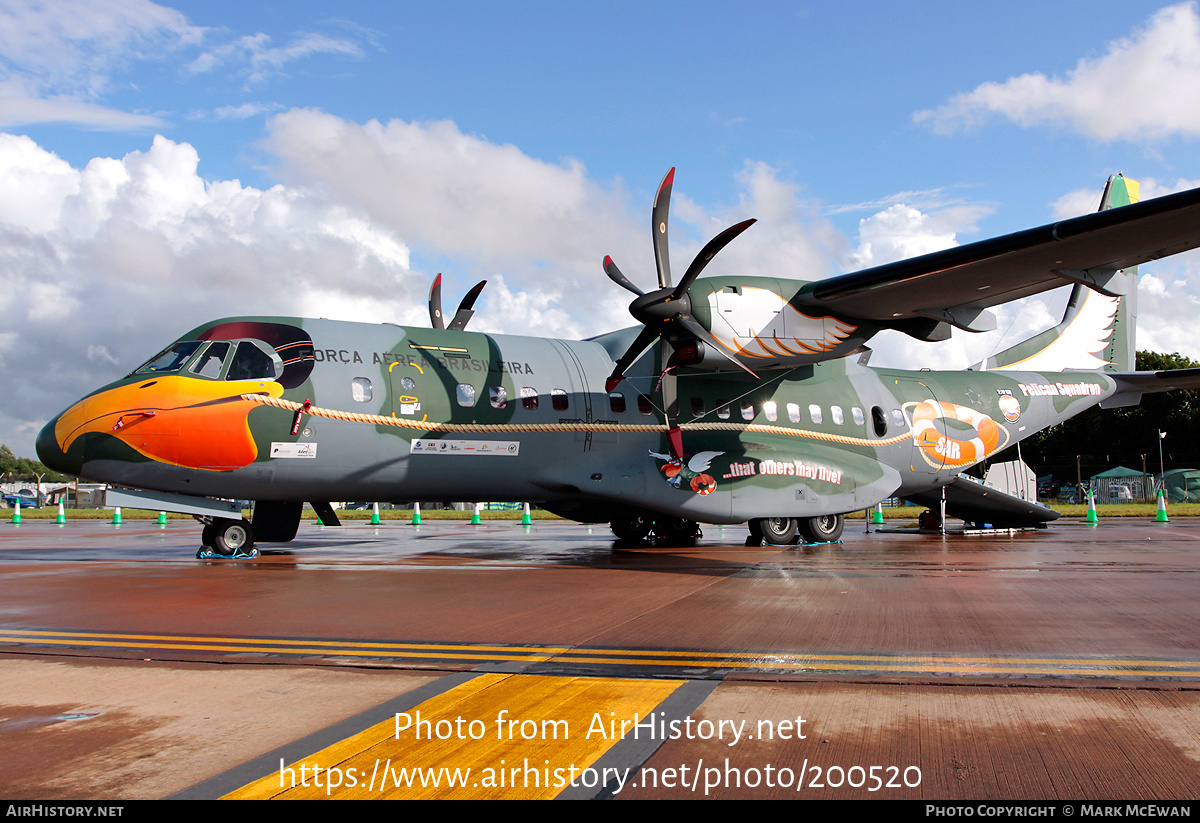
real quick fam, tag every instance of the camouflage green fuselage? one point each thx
(827, 437)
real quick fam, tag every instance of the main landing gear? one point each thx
(784, 531)
(667, 531)
(226, 538)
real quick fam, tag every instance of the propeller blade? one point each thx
(644, 339)
(435, 303)
(658, 229)
(670, 397)
(466, 307)
(693, 326)
(615, 275)
(708, 253)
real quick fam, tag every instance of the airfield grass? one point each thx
(1142, 510)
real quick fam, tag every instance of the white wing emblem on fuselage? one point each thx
(758, 323)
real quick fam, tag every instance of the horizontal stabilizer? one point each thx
(1132, 385)
(970, 500)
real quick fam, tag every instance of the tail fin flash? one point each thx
(1097, 329)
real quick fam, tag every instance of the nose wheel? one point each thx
(227, 538)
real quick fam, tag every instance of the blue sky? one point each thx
(162, 165)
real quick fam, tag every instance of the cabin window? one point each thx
(814, 412)
(250, 363)
(466, 394)
(857, 414)
(878, 421)
(616, 402)
(529, 398)
(747, 410)
(360, 389)
(835, 414)
(172, 359)
(793, 410)
(498, 397)
(558, 399)
(209, 363)
(723, 409)
(697, 406)
(770, 411)
(644, 404)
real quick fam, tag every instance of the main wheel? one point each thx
(231, 536)
(778, 531)
(676, 530)
(824, 529)
(632, 527)
(206, 535)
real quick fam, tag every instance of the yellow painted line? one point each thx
(497, 736)
(338, 644)
(629, 657)
(260, 649)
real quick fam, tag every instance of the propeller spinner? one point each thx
(667, 312)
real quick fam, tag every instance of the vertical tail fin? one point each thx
(1097, 329)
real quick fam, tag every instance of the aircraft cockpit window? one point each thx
(793, 410)
(360, 389)
(771, 411)
(644, 404)
(698, 406)
(723, 409)
(529, 398)
(498, 397)
(814, 411)
(878, 421)
(209, 363)
(466, 394)
(251, 363)
(171, 359)
(558, 399)
(747, 409)
(616, 402)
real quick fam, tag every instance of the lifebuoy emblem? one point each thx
(939, 448)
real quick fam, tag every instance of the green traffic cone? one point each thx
(877, 516)
(16, 518)
(162, 518)
(116, 521)
(526, 517)
(1161, 516)
(475, 518)
(1091, 514)
(416, 521)
(61, 517)
(374, 514)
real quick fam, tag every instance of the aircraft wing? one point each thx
(956, 285)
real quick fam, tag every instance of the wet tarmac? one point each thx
(1061, 664)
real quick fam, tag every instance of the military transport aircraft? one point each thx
(735, 398)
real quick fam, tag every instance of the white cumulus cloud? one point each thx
(1146, 86)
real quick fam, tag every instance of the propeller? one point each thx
(466, 309)
(667, 312)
